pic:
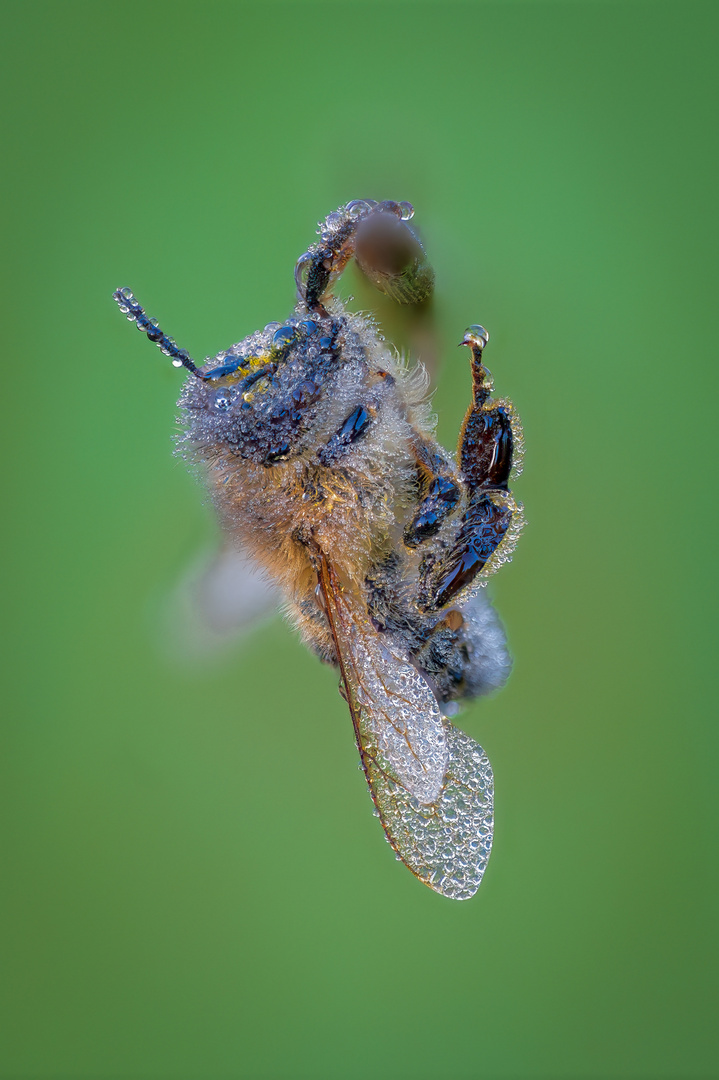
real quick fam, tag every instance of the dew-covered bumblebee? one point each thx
(318, 447)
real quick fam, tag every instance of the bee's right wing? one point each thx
(431, 783)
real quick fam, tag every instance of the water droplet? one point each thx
(357, 207)
(301, 269)
(390, 207)
(330, 224)
(284, 336)
(407, 210)
(476, 335)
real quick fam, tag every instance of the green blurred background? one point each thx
(193, 882)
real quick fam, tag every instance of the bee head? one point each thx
(255, 399)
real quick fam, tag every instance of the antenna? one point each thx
(129, 306)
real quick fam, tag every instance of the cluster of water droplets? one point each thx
(503, 553)
(401, 719)
(517, 441)
(360, 208)
(259, 398)
(446, 844)
(431, 783)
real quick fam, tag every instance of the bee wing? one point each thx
(431, 783)
(232, 594)
(220, 597)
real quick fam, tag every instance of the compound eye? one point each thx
(223, 399)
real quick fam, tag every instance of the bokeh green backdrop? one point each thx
(193, 883)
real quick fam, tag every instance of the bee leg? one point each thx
(386, 249)
(439, 494)
(465, 653)
(486, 438)
(486, 447)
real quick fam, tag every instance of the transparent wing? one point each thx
(221, 596)
(431, 783)
(232, 594)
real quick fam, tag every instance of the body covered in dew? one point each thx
(319, 451)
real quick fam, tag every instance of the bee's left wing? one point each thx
(431, 783)
(220, 596)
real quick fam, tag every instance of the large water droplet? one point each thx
(476, 335)
(320, 599)
(284, 336)
(357, 207)
(330, 224)
(301, 269)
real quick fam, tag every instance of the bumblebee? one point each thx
(317, 444)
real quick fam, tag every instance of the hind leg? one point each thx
(465, 655)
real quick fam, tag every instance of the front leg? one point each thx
(490, 524)
(486, 438)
